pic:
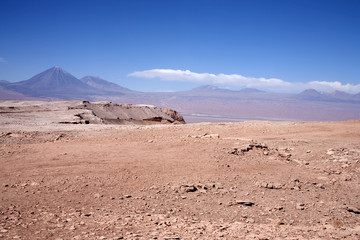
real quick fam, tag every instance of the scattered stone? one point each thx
(250, 220)
(285, 155)
(98, 195)
(354, 210)
(58, 137)
(270, 185)
(74, 206)
(241, 202)
(330, 151)
(206, 135)
(300, 206)
(188, 188)
(278, 222)
(211, 136)
(279, 208)
(250, 147)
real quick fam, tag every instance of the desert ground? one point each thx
(243, 180)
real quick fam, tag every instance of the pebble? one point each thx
(98, 195)
(300, 206)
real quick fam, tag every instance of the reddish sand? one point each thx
(249, 180)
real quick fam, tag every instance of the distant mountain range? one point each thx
(56, 83)
(309, 105)
(102, 85)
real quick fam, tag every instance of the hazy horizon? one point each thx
(216, 86)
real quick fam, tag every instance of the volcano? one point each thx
(54, 82)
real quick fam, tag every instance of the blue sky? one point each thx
(170, 45)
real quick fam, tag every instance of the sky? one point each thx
(177, 45)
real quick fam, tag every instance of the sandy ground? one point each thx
(248, 180)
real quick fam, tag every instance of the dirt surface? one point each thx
(248, 180)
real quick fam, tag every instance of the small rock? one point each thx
(278, 222)
(241, 202)
(98, 195)
(59, 137)
(300, 206)
(189, 188)
(279, 208)
(246, 203)
(330, 152)
(354, 210)
(211, 136)
(270, 185)
(250, 220)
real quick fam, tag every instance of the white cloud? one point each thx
(175, 75)
(330, 86)
(273, 84)
(2, 60)
(209, 78)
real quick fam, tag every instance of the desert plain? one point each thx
(240, 180)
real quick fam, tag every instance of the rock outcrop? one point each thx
(112, 113)
(85, 112)
(174, 115)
